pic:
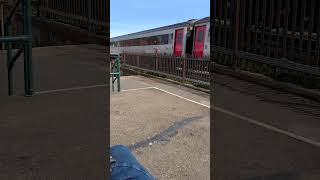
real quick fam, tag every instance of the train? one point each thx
(189, 38)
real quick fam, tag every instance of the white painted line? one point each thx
(252, 121)
(71, 89)
(182, 97)
(272, 128)
(125, 90)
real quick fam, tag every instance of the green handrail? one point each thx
(116, 73)
(25, 41)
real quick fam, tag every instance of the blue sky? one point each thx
(128, 16)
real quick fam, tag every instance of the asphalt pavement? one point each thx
(260, 133)
(60, 131)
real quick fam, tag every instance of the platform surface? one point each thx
(170, 135)
(258, 132)
(61, 129)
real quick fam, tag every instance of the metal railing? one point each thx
(115, 71)
(187, 68)
(86, 14)
(282, 34)
(25, 46)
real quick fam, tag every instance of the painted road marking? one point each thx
(71, 89)
(125, 90)
(182, 97)
(222, 110)
(252, 121)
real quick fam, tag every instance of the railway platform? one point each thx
(52, 135)
(262, 133)
(166, 127)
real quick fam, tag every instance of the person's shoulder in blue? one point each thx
(124, 166)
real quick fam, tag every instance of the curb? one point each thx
(268, 82)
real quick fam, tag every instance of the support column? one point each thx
(2, 22)
(27, 30)
(119, 72)
(8, 47)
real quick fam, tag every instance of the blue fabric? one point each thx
(124, 166)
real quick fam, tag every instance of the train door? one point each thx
(199, 41)
(178, 42)
(189, 42)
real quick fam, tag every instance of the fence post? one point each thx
(123, 58)
(89, 14)
(27, 30)
(184, 68)
(236, 33)
(38, 8)
(138, 63)
(2, 23)
(276, 73)
(156, 64)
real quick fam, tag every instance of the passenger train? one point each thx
(190, 38)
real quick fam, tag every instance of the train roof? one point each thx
(152, 30)
(203, 20)
(159, 29)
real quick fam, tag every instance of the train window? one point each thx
(152, 40)
(179, 38)
(165, 39)
(200, 36)
(171, 38)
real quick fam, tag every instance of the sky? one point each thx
(129, 16)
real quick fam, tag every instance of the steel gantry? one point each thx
(25, 46)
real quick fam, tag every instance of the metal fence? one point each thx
(87, 14)
(188, 68)
(281, 34)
